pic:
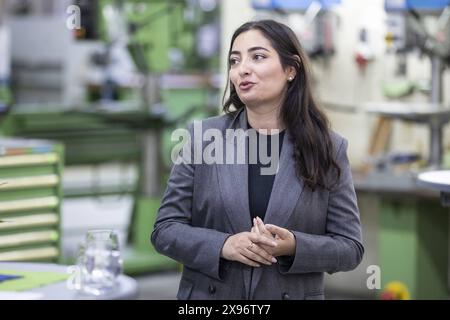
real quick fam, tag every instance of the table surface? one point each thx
(127, 288)
(387, 183)
(416, 112)
(439, 180)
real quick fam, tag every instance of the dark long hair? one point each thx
(307, 124)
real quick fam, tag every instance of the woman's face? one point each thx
(256, 71)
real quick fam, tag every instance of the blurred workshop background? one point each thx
(90, 92)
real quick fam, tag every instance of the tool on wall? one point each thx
(408, 31)
(313, 21)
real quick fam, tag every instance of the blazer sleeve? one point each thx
(174, 236)
(340, 248)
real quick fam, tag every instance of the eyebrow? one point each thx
(250, 50)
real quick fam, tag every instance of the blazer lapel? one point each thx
(233, 184)
(286, 191)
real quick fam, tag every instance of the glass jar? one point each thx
(100, 262)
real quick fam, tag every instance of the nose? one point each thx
(244, 68)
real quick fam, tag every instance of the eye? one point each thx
(259, 56)
(233, 61)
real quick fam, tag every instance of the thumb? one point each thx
(281, 232)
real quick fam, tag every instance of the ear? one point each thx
(291, 71)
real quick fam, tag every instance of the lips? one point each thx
(246, 85)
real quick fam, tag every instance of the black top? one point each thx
(260, 186)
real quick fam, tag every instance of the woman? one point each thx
(241, 234)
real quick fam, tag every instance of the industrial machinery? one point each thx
(413, 228)
(111, 97)
(313, 21)
(407, 31)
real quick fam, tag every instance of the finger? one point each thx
(247, 261)
(281, 232)
(254, 237)
(256, 257)
(255, 223)
(262, 228)
(253, 230)
(263, 253)
(269, 250)
(255, 227)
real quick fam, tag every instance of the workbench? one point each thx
(413, 233)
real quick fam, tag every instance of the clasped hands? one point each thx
(261, 245)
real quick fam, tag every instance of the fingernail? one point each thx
(274, 260)
(258, 265)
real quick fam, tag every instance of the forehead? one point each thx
(250, 39)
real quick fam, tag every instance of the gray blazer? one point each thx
(204, 204)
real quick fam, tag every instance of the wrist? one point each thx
(292, 245)
(223, 249)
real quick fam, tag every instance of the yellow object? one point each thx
(395, 290)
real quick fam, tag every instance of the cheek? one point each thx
(272, 74)
(233, 77)
(274, 79)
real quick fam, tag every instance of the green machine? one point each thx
(131, 123)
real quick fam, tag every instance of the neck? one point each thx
(261, 117)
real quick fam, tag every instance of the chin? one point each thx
(249, 100)
(249, 103)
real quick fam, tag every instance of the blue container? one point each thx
(418, 5)
(291, 5)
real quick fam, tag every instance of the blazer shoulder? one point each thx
(338, 141)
